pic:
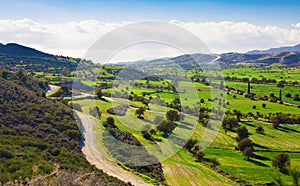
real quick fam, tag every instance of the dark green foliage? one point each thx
(260, 130)
(229, 123)
(128, 150)
(242, 133)
(96, 112)
(118, 110)
(166, 126)
(190, 144)
(199, 155)
(248, 152)
(140, 111)
(173, 115)
(246, 142)
(36, 133)
(281, 161)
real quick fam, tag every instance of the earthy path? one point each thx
(97, 159)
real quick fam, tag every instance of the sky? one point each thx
(71, 27)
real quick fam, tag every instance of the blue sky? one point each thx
(264, 12)
(71, 27)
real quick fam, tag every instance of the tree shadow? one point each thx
(286, 129)
(184, 126)
(258, 163)
(248, 124)
(260, 146)
(259, 157)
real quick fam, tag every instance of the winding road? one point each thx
(96, 158)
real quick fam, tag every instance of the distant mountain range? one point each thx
(19, 50)
(295, 48)
(287, 56)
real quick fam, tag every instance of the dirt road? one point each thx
(97, 159)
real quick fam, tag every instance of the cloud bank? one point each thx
(74, 38)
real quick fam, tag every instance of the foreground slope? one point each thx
(41, 137)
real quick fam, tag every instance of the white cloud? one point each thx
(74, 38)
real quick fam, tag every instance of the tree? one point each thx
(199, 155)
(276, 121)
(244, 143)
(190, 144)
(238, 115)
(214, 162)
(280, 95)
(248, 152)
(242, 133)
(249, 87)
(229, 123)
(295, 174)
(281, 161)
(260, 130)
(140, 111)
(264, 105)
(288, 95)
(173, 115)
(166, 126)
(96, 112)
(99, 94)
(110, 122)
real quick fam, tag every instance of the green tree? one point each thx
(242, 133)
(248, 152)
(295, 174)
(281, 161)
(140, 111)
(246, 142)
(173, 115)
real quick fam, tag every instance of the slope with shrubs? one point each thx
(39, 136)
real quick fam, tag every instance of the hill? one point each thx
(19, 50)
(278, 50)
(41, 137)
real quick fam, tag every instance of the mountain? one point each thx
(19, 50)
(295, 48)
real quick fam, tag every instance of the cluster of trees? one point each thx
(118, 110)
(118, 142)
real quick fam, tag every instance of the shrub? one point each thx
(254, 107)
(264, 105)
(288, 95)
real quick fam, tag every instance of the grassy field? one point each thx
(181, 168)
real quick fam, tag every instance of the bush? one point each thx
(264, 105)
(254, 107)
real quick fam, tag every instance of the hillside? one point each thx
(41, 137)
(278, 50)
(19, 50)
